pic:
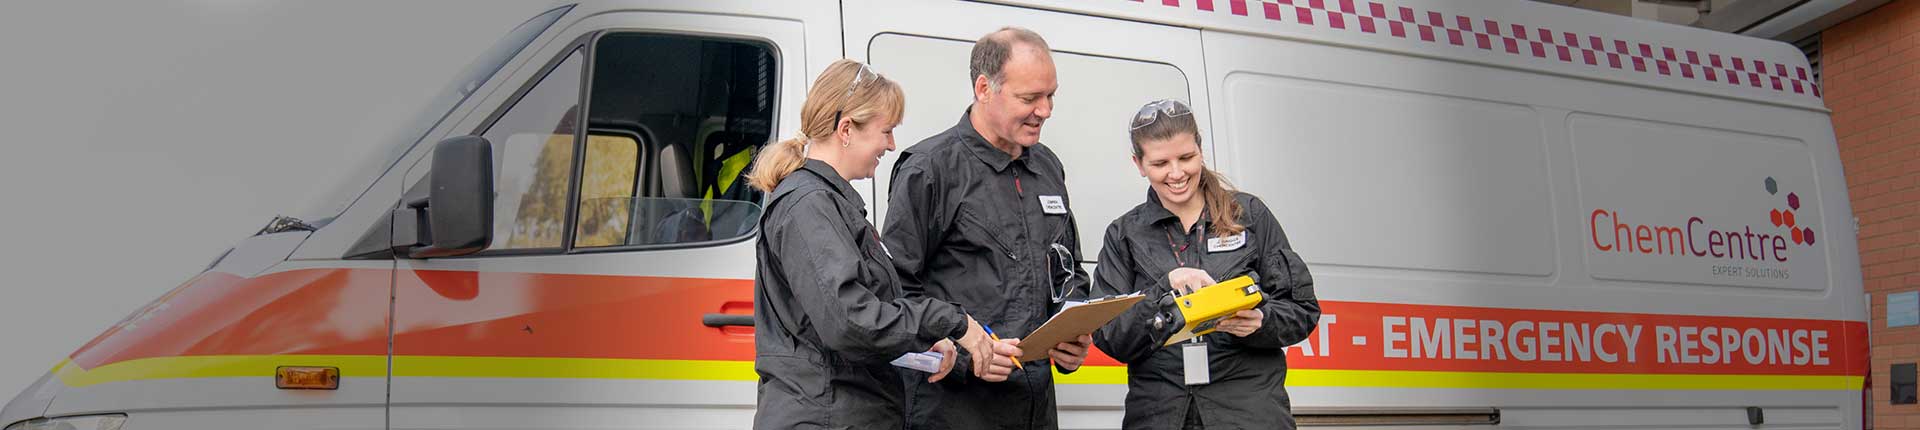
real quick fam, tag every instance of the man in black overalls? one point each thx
(979, 216)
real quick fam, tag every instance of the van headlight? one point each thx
(84, 422)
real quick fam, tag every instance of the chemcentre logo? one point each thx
(1698, 237)
(1784, 219)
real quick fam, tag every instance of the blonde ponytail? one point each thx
(774, 164)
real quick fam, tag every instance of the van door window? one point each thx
(673, 123)
(607, 181)
(533, 156)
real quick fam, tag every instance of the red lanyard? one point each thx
(1177, 249)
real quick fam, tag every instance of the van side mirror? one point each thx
(456, 214)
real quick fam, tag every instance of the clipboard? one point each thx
(1074, 321)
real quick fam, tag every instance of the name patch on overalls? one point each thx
(1053, 205)
(1227, 243)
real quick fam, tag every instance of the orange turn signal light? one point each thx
(307, 378)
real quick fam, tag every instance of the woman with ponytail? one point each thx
(829, 315)
(1194, 228)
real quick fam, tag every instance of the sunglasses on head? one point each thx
(857, 76)
(1153, 111)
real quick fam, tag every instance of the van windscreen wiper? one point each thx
(283, 223)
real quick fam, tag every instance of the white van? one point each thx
(1520, 215)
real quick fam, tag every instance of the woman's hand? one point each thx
(948, 354)
(1071, 354)
(1242, 323)
(1187, 279)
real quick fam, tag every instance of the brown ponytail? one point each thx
(1219, 196)
(847, 89)
(1214, 190)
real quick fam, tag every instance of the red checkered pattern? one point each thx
(1541, 43)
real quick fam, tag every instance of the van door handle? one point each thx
(726, 320)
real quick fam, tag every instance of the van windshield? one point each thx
(348, 188)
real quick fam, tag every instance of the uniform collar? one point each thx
(1157, 213)
(985, 151)
(826, 173)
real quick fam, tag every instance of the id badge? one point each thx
(1195, 356)
(1053, 205)
(1227, 243)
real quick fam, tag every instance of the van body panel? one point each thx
(258, 254)
(217, 341)
(1445, 167)
(1447, 191)
(33, 401)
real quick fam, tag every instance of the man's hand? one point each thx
(999, 363)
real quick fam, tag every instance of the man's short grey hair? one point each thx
(992, 51)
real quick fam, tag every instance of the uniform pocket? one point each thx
(876, 265)
(977, 231)
(800, 380)
(986, 295)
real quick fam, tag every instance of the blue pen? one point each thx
(996, 338)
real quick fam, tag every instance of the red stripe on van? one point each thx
(1387, 336)
(571, 316)
(493, 314)
(323, 311)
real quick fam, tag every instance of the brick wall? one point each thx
(1872, 83)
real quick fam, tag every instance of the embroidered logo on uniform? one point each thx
(1227, 243)
(1053, 205)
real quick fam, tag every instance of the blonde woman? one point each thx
(828, 310)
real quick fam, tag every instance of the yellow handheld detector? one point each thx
(1204, 308)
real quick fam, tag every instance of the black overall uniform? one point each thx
(971, 225)
(829, 314)
(1248, 373)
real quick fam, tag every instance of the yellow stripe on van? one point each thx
(216, 366)
(1500, 380)
(591, 368)
(725, 370)
(1565, 381)
(1093, 375)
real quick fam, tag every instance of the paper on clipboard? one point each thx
(1074, 320)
